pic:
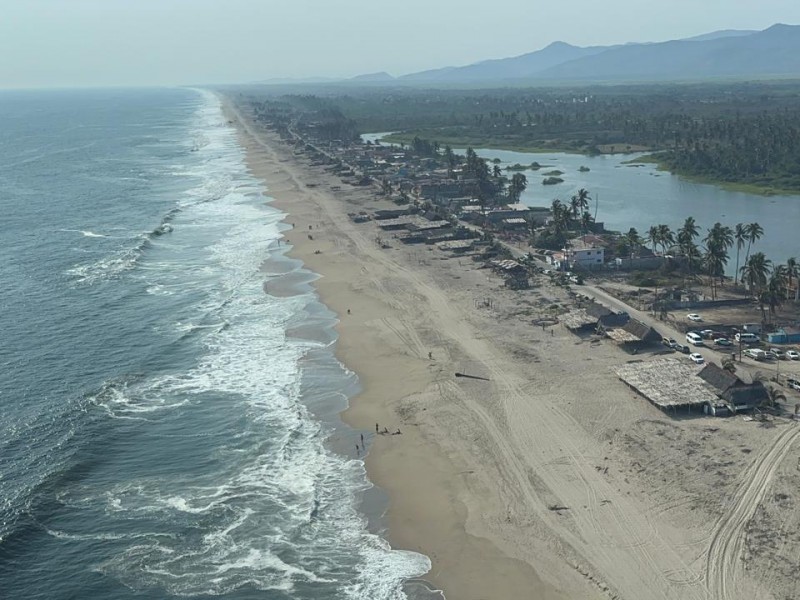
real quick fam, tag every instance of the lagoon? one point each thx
(626, 195)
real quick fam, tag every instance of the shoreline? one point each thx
(646, 157)
(546, 477)
(424, 511)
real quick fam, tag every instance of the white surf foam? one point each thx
(281, 510)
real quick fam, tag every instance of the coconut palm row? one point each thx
(769, 284)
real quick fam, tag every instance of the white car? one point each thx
(694, 317)
(697, 358)
(793, 355)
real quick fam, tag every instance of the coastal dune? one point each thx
(515, 485)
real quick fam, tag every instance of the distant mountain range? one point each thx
(774, 52)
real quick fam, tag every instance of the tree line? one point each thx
(770, 284)
(738, 132)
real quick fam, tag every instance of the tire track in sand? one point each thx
(722, 562)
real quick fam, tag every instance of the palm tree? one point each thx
(560, 217)
(755, 272)
(740, 235)
(754, 231)
(653, 236)
(792, 271)
(776, 288)
(686, 235)
(688, 232)
(633, 240)
(586, 223)
(497, 171)
(693, 257)
(518, 184)
(574, 209)
(665, 237)
(583, 199)
(718, 240)
(715, 259)
(773, 395)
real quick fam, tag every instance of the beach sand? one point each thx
(551, 480)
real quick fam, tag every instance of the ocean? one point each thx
(167, 428)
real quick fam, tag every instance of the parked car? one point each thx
(723, 342)
(756, 353)
(697, 358)
(683, 348)
(793, 383)
(777, 353)
(707, 334)
(694, 317)
(694, 338)
(746, 338)
(793, 355)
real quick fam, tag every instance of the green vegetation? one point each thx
(552, 180)
(744, 135)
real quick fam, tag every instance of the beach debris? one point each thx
(557, 507)
(472, 376)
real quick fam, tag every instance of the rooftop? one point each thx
(668, 382)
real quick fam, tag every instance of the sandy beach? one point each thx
(547, 479)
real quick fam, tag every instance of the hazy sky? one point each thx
(57, 43)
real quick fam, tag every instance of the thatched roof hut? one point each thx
(668, 383)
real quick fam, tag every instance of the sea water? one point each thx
(167, 428)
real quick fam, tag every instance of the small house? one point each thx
(785, 335)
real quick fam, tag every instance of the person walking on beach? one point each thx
(376, 428)
(362, 440)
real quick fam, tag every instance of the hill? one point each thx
(720, 54)
(772, 52)
(518, 67)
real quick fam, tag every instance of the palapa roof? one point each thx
(718, 377)
(506, 265)
(668, 382)
(456, 244)
(634, 331)
(592, 314)
(577, 319)
(597, 310)
(747, 395)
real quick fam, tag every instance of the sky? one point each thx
(87, 43)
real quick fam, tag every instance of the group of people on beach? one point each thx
(378, 431)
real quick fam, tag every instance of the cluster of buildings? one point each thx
(404, 177)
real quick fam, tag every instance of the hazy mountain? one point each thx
(772, 52)
(518, 67)
(294, 80)
(727, 53)
(373, 77)
(724, 33)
